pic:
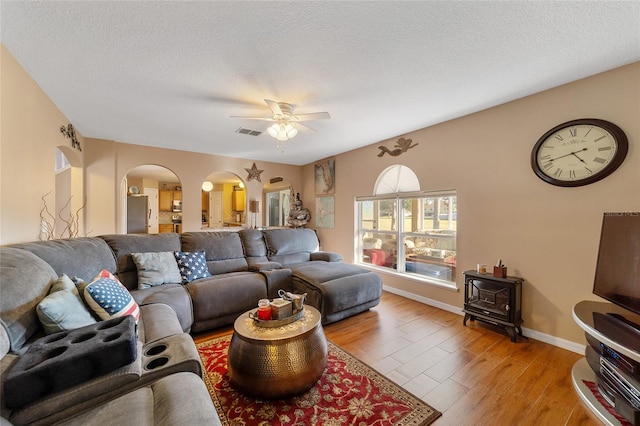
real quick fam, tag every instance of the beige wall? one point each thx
(191, 168)
(29, 134)
(548, 235)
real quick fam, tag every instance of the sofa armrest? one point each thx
(277, 279)
(264, 266)
(326, 256)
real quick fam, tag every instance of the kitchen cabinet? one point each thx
(165, 227)
(166, 197)
(205, 201)
(164, 200)
(238, 201)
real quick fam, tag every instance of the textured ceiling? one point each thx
(169, 74)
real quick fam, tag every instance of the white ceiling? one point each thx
(169, 74)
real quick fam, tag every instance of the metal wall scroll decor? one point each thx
(403, 145)
(70, 132)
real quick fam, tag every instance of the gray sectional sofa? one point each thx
(241, 267)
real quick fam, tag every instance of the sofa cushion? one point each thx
(253, 243)
(173, 295)
(62, 309)
(290, 246)
(76, 257)
(289, 241)
(192, 265)
(223, 250)
(156, 269)
(317, 273)
(220, 299)
(125, 244)
(26, 280)
(108, 298)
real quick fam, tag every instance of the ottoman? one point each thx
(338, 290)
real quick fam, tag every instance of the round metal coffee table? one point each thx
(273, 363)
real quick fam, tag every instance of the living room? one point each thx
(546, 234)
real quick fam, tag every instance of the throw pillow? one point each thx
(62, 309)
(109, 298)
(156, 269)
(192, 265)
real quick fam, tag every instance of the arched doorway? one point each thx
(224, 201)
(68, 197)
(152, 200)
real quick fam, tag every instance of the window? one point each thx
(411, 233)
(62, 163)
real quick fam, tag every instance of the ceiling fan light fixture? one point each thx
(273, 130)
(282, 131)
(290, 131)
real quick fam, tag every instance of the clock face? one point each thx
(579, 152)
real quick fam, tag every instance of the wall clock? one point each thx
(579, 152)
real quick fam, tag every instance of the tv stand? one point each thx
(586, 314)
(626, 323)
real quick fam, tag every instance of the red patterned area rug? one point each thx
(348, 393)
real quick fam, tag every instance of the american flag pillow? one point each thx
(108, 298)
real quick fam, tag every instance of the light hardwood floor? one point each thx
(474, 375)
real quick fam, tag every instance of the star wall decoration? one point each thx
(254, 173)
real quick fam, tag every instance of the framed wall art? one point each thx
(325, 177)
(325, 212)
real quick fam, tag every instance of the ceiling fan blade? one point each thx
(296, 123)
(273, 105)
(252, 118)
(312, 116)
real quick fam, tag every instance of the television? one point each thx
(617, 277)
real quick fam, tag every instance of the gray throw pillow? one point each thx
(156, 269)
(62, 309)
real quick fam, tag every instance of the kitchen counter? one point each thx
(233, 224)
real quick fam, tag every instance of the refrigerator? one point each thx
(137, 214)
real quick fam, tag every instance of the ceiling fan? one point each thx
(285, 121)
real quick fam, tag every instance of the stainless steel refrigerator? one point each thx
(137, 215)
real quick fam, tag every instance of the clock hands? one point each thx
(571, 153)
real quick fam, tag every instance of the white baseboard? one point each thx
(543, 337)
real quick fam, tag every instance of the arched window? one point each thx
(395, 179)
(408, 231)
